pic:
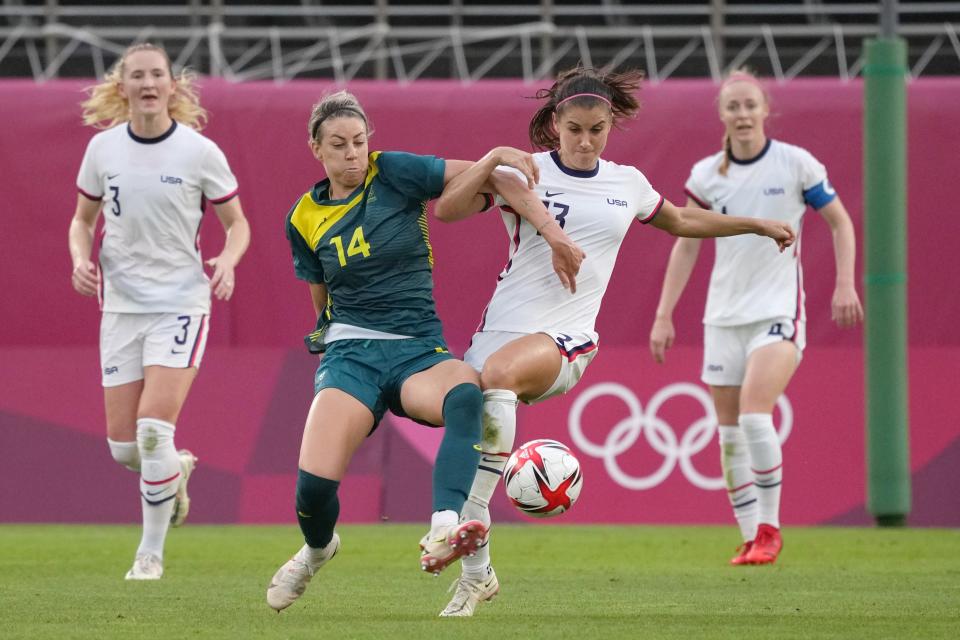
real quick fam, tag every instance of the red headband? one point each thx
(585, 95)
(742, 77)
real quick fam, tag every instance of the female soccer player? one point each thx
(149, 172)
(534, 342)
(359, 238)
(754, 323)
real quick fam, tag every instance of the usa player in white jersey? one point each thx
(535, 340)
(754, 323)
(150, 173)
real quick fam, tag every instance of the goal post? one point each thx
(885, 241)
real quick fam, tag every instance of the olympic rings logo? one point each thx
(658, 434)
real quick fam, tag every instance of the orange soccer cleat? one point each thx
(441, 548)
(766, 546)
(742, 552)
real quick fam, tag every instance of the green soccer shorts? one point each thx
(373, 371)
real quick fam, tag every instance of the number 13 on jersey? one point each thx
(561, 217)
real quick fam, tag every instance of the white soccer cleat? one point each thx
(146, 566)
(181, 503)
(440, 549)
(470, 593)
(290, 580)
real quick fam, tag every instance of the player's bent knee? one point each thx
(466, 397)
(461, 373)
(154, 434)
(498, 375)
(125, 453)
(314, 491)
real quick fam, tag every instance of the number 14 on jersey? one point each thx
(358, 246)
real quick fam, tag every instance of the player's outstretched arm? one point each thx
(464, 182)
(690, 222)
(461, 198)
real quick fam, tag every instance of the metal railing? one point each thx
(469, 41)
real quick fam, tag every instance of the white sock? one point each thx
(159, 481)
(441, 520)
(312, 556)
(125, 453)
(766, 463)
(499, 432)
(735, 461)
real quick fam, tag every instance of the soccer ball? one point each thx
(542, 478)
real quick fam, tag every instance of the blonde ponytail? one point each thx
(725, 161)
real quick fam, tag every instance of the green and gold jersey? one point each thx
(372, 249)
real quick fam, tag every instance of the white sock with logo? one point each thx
(735, 461)
(766, 463)
(159, 481)
(499, 432)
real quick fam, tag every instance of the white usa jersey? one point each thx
(153, 193)
(595, 208)
(751, 279)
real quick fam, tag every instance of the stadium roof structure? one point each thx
(471, 40)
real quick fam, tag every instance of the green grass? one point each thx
(557, 582)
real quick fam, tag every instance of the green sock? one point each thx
(459, 453)
(317, 508)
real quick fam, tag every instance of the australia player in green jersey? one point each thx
(359, 239)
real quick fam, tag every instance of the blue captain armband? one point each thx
(315, 339)
(820, 195)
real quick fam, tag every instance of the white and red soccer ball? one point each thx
(542, 478)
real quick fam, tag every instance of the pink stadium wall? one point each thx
(246, 411)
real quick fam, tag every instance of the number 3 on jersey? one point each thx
(358, 245)
(561, 217)
(116, 201)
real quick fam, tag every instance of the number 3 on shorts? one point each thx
(186, 324)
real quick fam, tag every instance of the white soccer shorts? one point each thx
(726, 349)
(577, 350)
(131, 341)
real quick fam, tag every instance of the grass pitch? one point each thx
(556, 582)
